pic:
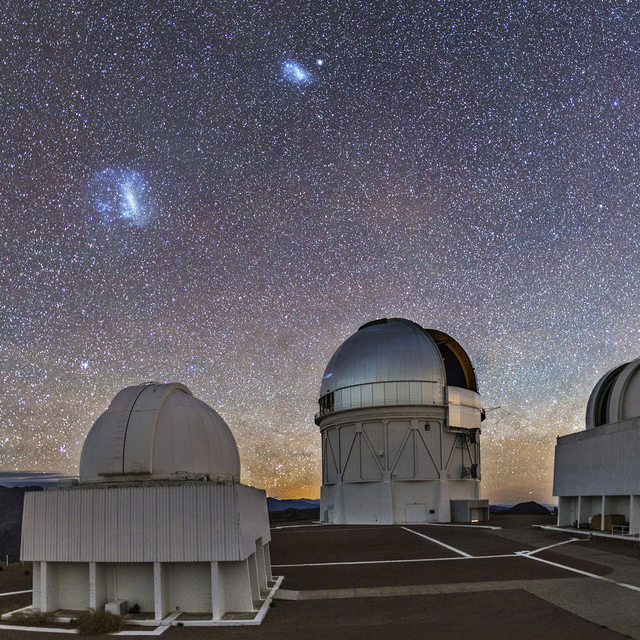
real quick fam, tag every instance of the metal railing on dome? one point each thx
(379, 394)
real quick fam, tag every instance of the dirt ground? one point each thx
(15, 578)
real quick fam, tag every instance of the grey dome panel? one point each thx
(625, 397)
(384, 351)
(616, 397)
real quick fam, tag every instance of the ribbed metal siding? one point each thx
(386, 394)
(599, 461)
(253, 518)
(143, 524)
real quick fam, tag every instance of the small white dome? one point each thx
(616, 397)
(159, 432)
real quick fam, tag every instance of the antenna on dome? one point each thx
(483, 412)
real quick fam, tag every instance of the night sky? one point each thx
(219, 194)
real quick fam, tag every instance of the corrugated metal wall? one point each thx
(254, 518)
(139, 524)
(599, 461)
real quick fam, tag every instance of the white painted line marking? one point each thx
(331, 528)
(16, 593)
(467, 526)
(171, 617)
(267, 603)
(335, 564)
(589, 533)
(551, 546)
(15, 627)
(583, 573)
(296, 529)
(327, 527)
(442, 544)
(297, 526)
(156, 632)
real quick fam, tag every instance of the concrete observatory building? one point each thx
(597, 471)
(158, 523)
(400, 423)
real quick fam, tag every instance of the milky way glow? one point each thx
(121, 196)
(473, 167)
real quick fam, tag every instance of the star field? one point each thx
(220, 194)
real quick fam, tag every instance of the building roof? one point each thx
(159, 432)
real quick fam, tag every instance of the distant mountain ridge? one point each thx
(523, 508)
(273, 504)
(530, 508)
(31, 478)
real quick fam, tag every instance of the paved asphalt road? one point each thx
(426, 581)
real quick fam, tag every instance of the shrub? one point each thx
(33, 619)
(99, 622)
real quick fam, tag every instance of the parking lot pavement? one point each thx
(417, 573)
(323, 544)
(495, 615)
(326, 557)
(477, 542)
(566, 572)
(420, 581)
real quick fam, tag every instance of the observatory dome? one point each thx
(159, 432)
(616, 397)
(394, 361)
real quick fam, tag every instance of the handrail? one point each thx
(364, 384)
(373, 403)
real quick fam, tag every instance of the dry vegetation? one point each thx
(99, 622)
(89, 623)
(33, 619)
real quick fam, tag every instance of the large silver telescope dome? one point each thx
(390, 352)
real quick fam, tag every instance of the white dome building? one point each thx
(597, 471)
(159, 432)
(400, 423)
(158, 523)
